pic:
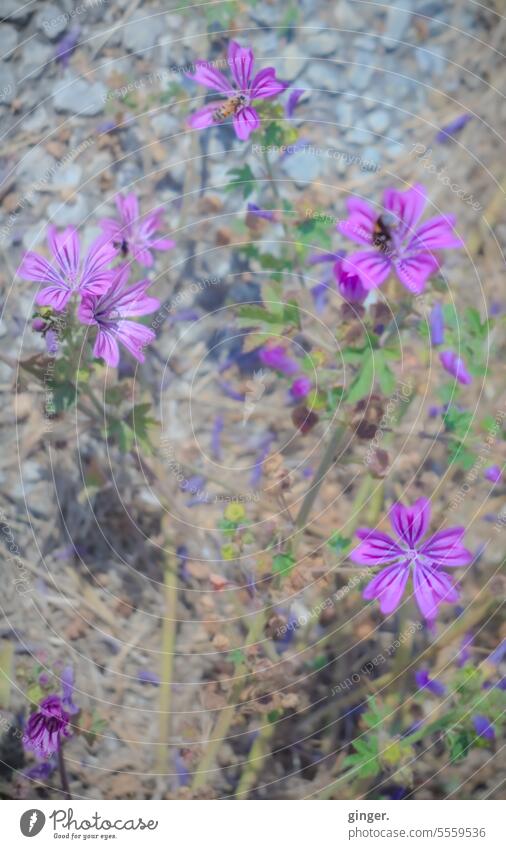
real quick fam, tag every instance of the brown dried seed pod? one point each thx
(366, 416)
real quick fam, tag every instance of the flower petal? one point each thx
(203, 118)
(241, 61)
(128, 208)
(246, 122)
(266, 85)
(455, 366)
(413, 271)
(388, 587)
(95, 276)
(372, 267)
(411, 523)
(445, 548)
(106, 347)
(376, 548)
(54, 296)
(432, 587)
(436, 233)
(359, 225)
(407, 207)
(35, 267)
(134, 337)
(65, 249)
(209, 77)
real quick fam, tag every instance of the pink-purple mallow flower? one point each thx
(47, 727)
(349, 284)
(493, 473)
(111, 313)
(483, 727)
(395, 241)
(239, 95)
(408, 555)
(455, 366)
(135, 235)
(68, 273)
(276, 357)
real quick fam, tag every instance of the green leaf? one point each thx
(242, 178)
(363, 382)
(386, 378)
(338, 543)
(283, 564)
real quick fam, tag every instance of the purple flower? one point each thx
(349, 284)
(111, 311)
(498, 654)
(67, 45)
(446, 133)
(243, 90)
(424, 682)
(437, 325)
(295, 96)
(46, 727)
(398, 243)
(133, 234)
(464, 652)
(301, 387)
(67, 682)
(70, 275)
(483, 727)
(267, 214)
(408, 555)
(493, 473)
(455, 366)
(276, 357)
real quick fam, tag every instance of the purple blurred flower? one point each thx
(446, 133)
(133, 234)
(498, 654)
(437, 325)
(319, 294)
(350, 285)
(47, 727)
(398, 244)
(408, 555)
(216, 437)
(276, 357)
(455, 366)
(301, 387)
(493, 473)
(424, 682)
(267, 214)
(244, 90)
(145, 676)
(67, 683)
(68, 274)
(317, 259)
(111, 311)
(67, 45)
(483, 727)
(295, 96)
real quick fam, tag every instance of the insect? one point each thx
(230, 107)
(382, 232)
(123, 246)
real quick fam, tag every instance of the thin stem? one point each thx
(168, 643)
(63, 774)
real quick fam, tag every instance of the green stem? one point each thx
(168, 643)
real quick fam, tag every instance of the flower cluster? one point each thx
(105, 300)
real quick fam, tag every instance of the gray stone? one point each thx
(366, 42)
(74, 94)
(68, 176)
(359, 76)
(371, 159)
(142, 31)
(36, 120)
(322, 43)
(379, 120)
(7, 85)
(35, 164)
(8, 41)
(358, 136)
(63, 214)
(326, 76)
(164, 124)
(51, 21)
(35, 59)
(397, 23)
(345, 112)
(291, 63)
(266, 14)
(17, 11)
(431, 61)
(302, 167)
